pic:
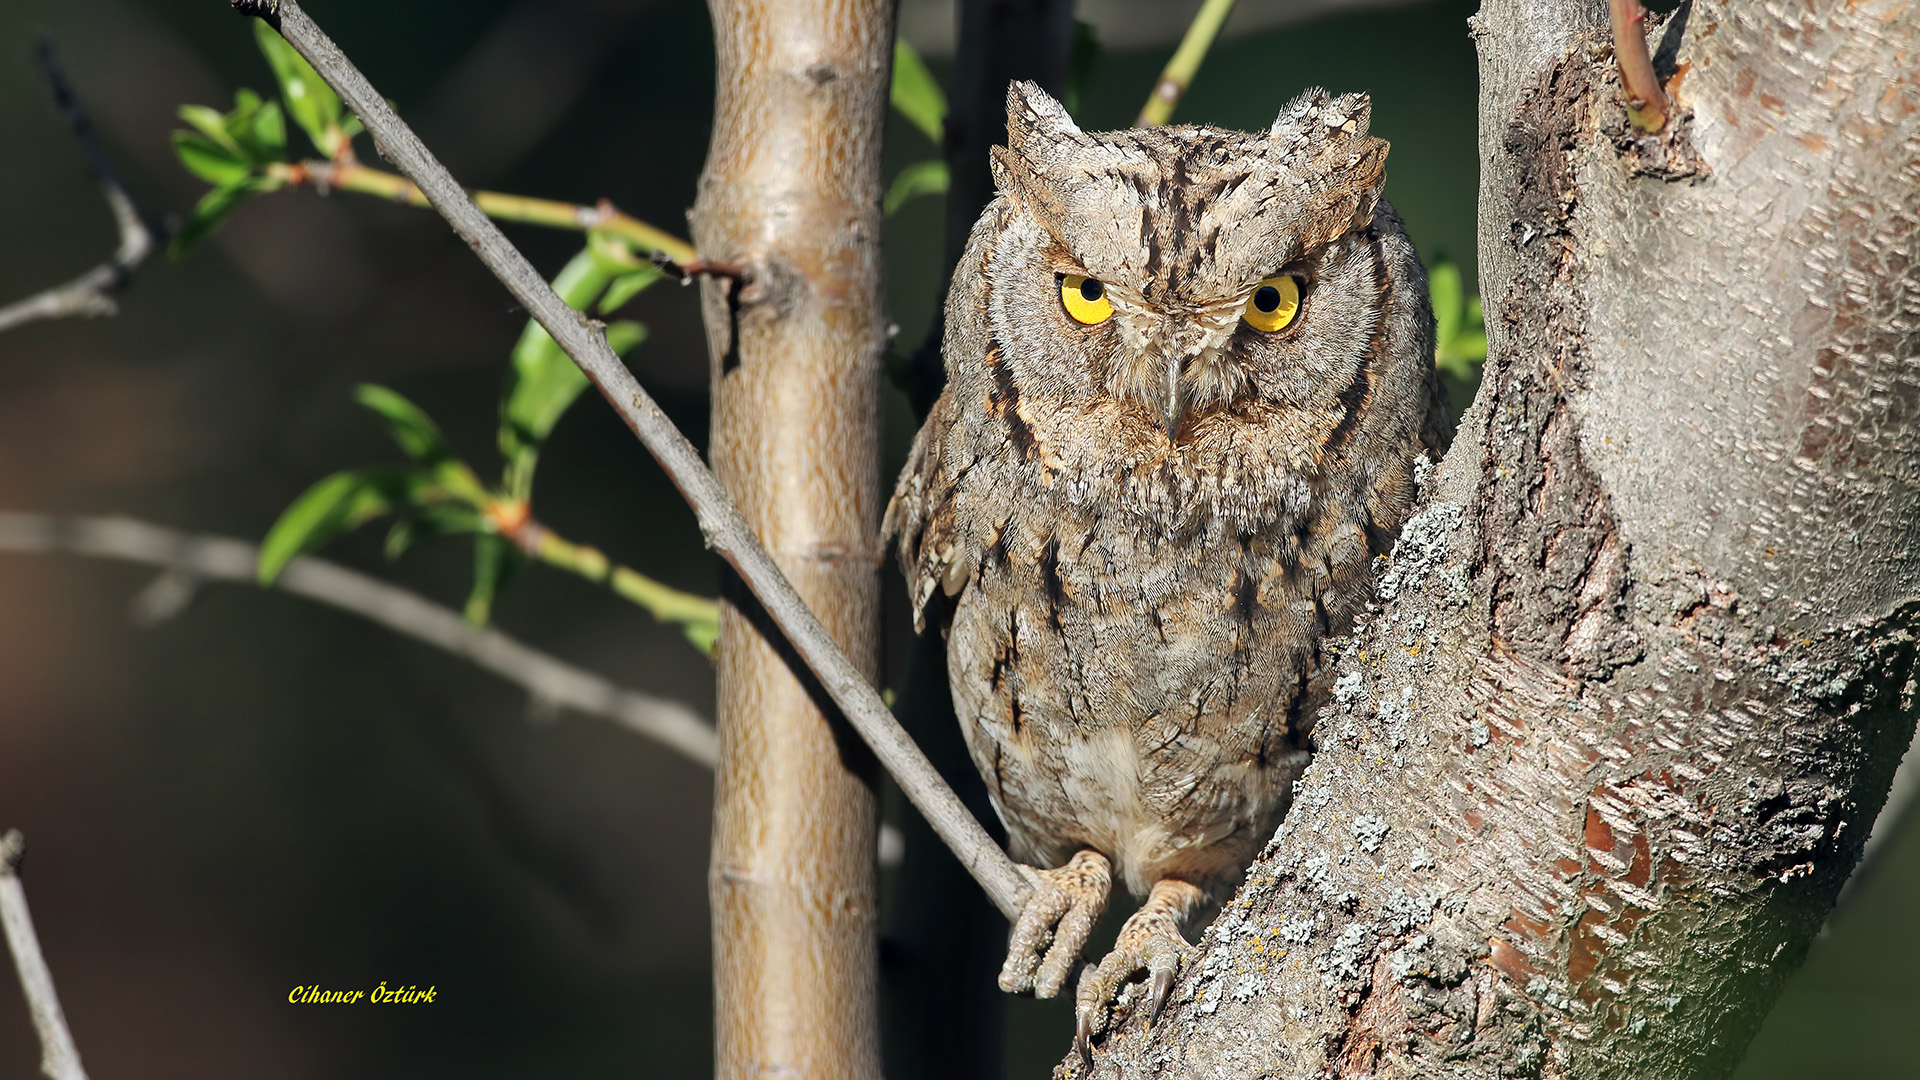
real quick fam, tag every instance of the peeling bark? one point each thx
(1642, 667)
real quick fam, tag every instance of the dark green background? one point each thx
(264, 793)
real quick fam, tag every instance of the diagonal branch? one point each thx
(549, 680)
(59, 1058)
(90, 294)
(720, 522)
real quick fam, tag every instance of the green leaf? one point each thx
(920, 178)
(1460, 338)
(624, 336)
(210, 122)
(213, 209)
(269, 132)
(1443, 284)
(1082, 62)
(626, 287)
(544, 381)
(495, 560)
(420, 438)
(412, 428)
(337, 504)
(915, 93)
(312, 102)
(256, 127)
(430, 521)
(210, 161)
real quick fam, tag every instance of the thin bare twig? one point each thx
(684, 272)
(59, 1058)
(551, 681)
(90, 294)
(1647, 103)
(1180, 70)
(720, 522)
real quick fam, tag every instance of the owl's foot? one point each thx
(1149, 941)
(1055, 923)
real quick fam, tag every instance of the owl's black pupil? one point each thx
(1091, 291)
(1267, 299)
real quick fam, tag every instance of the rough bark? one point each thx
(791, 190)
(1642, 666)
(945, 1017)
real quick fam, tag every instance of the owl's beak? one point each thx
(1176, 409)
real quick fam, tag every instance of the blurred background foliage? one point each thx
(261, 793)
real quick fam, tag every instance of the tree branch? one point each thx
(1179, 72)
(603, 216)
(549, 680)
(1647, 105)
(721, 524)
(89, 294)
(59, 1058)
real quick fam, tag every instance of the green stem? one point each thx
(697, 616)
(1647, 104)
(1185, 63)
(353, 176)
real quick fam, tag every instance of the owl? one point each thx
(1189, 372)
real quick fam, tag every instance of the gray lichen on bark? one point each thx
(1642, 667)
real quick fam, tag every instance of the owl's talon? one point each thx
(1150, 942)
(1162, 987)
(1083, 1038)
(1052, 928)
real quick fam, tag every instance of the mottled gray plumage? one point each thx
(1138, 570)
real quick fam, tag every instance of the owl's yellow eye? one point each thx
(1274, 304)
(1085, 299)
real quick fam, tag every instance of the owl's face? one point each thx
(1187, 273)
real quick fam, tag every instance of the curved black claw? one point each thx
(1162, 986)
(1149, 943)
(1083, 1039)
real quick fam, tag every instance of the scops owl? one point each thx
(1188, 374)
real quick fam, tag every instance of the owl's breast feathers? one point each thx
(1131, 638)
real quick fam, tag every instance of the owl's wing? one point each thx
(934, 550)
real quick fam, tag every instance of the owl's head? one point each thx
(1186, 270)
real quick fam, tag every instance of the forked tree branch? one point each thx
(90, 294)
(551, 681)
(59, 1058)
(720, 522)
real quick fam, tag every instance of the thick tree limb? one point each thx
(720, 522)
(1645, 660)
(90, 294)
(551, 681)
(59, 1058)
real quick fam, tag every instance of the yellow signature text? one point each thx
(379, 995)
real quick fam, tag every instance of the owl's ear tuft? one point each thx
(1315, 115)
(1036, 123)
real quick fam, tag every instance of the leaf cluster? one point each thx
(237, 151)
(439, 494)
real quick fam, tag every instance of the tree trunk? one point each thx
(1640, 674)
(791, 191)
